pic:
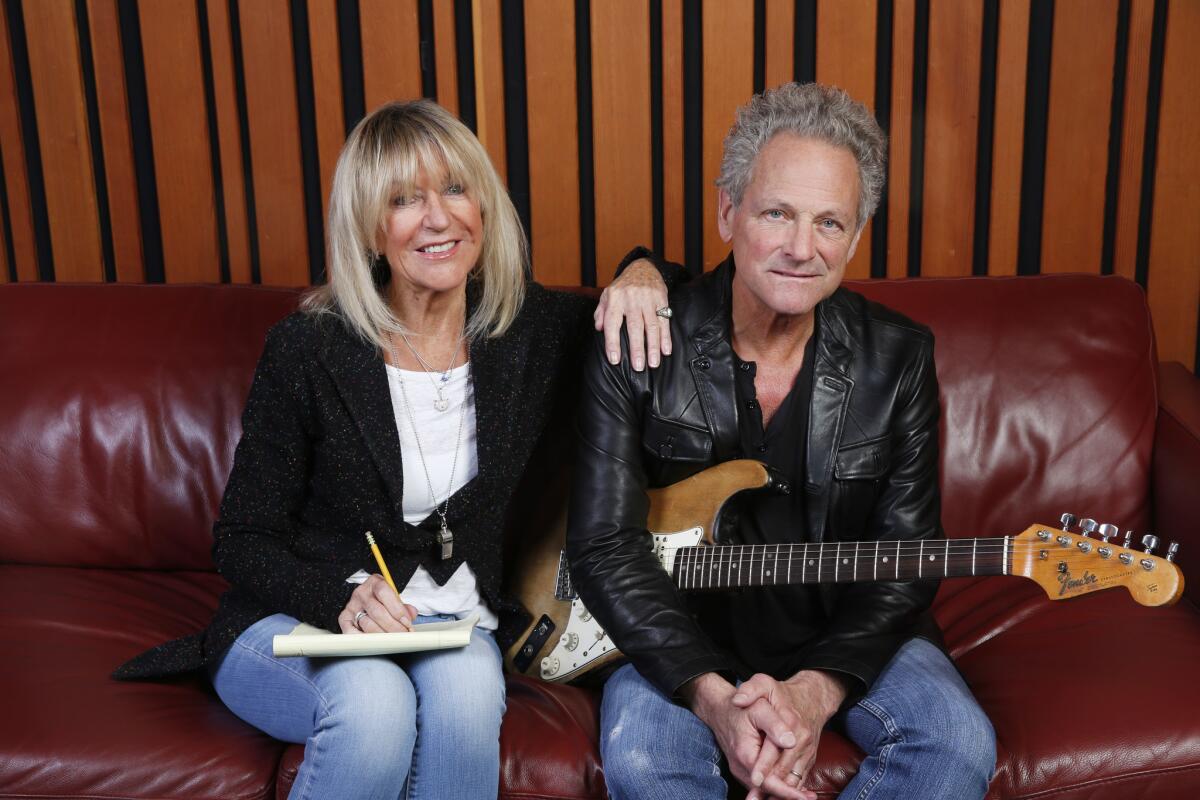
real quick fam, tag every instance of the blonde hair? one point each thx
(383, 157)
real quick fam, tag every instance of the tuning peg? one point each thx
(1086, 526)
(1128, 540)
(1067, 520)
(1107, 531)
(1150, 541)
(1172, 550)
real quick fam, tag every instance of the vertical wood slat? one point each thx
(1077, 135)
(846, 58)
(1137, 77)
(12, 150)
(672, 111)
(621, 152)
(728, 83)
(391, 51)
(553, 140)
(900, 152)
(327, 90)
(951, 122)
(1007, 149)
(781, 34)
(117, 141)
(274, 125)
(233, 174)
(489, 82)
(179, 131)
(57, 78)
(444, 45)
(1173, 286)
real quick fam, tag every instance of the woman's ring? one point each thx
(797, 774)
(664, 312)
(357, 617)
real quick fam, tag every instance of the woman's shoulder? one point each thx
(556, 307)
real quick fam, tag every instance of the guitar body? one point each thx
(564, 641)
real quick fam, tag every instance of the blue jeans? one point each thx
(419, 725)
(923, 734)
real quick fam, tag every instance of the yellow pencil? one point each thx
(387, 576)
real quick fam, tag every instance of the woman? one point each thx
(405, 400)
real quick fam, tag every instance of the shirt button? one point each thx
(703, 363)
(751, 404)
(744, 366)
(762, 448)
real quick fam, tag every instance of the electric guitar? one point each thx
(564, 642)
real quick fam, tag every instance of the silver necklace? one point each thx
(439, 386)
(445, 537)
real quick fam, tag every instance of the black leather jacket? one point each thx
(872, 473)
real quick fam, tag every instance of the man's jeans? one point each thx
(419, 725)
(924, 735)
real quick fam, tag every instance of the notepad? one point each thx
(307, 640)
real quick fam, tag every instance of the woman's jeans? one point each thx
(417, 725)
(923, 733)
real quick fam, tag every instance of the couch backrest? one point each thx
(121, 406)
(119, 415)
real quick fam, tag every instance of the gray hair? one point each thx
(383, 156)
(810, 111)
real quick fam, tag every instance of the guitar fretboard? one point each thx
(725, 566)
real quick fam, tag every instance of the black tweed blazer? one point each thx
(319, 463)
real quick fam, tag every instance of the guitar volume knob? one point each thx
(569, 640)
(550, 666)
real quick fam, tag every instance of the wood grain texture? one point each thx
(951, 122)
(780, 44)
(553, 140)
(1008, 144)
(67, 173)
(1077, 135)
(327, 91)
(12, 150)
(116, 140)
(233, 174)
(900, 149)
(489, 82)
(391, 51)
(179, 132)
(444, 45)
(728, 83)
(274, 142)
(1173, 285)
(672, 111)
(846, 58)
(1129, 194)
(621, 130)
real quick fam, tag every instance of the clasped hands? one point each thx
(768, 729)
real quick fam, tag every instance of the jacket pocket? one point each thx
(865, 461)
(667, 440)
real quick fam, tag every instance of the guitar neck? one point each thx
(726, 566)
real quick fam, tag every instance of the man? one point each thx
(773, 361)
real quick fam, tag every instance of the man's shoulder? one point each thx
(861, 318)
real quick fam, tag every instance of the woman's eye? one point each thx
(455, 188)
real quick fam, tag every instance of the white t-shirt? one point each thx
(439, 434)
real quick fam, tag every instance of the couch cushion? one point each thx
(71, 731)
(128, 412)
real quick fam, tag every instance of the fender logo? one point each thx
(1069, 584)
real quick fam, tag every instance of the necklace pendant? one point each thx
(446, 539)
(441, 404)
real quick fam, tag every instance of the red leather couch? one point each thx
(120, 411)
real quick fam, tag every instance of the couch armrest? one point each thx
(1176, 468)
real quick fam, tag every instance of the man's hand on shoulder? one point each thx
(744, 733)
(804, 702)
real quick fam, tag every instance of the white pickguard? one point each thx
(583, 640)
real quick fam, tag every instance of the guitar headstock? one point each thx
(1067, 564)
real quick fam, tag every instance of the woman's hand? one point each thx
(375, 607)
(635, 297)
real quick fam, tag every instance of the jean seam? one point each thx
(324, 713)
(893, 732)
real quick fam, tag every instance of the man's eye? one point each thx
(774, 213)
(830, 225)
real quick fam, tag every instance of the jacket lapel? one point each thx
(712, 366)
(832, 387)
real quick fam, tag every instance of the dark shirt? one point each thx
(766, 627)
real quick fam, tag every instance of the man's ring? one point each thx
(357, 617)
(664, 312)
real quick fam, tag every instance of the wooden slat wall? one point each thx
(195, 140)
